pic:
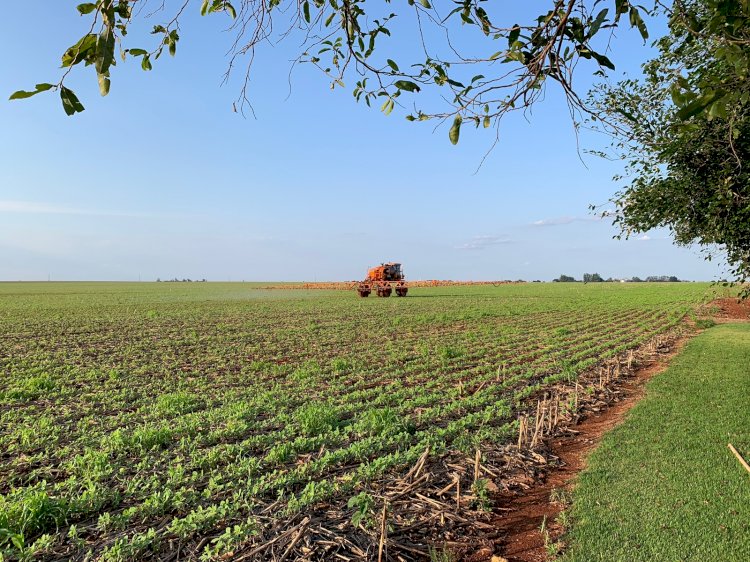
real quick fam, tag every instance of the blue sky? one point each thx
(162, 179)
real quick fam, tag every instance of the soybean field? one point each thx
(208, 421)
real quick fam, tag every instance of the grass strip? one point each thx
(664, 485)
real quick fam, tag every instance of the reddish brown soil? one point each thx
(520, 517)
(730, 309)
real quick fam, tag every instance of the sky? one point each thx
(162, 179)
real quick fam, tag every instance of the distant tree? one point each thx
(592, 278)
(565, 279)
(636, 280)
(662, 279)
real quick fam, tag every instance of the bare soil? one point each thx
(730, 310)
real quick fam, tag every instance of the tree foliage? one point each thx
(592, 278)
(685, 131)
(479, 66)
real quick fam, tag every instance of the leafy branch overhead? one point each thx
(387, 50)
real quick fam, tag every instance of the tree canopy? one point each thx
(684, 130)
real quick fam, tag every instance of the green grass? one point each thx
(664, 485)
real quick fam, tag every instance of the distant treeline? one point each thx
(596, 278)
(175, 280)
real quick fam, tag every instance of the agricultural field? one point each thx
(211, 421)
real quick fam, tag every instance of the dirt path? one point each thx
(521, 517)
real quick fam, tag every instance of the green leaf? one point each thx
(516, 56)
(406, 85)
(425, 3)
(104, 84)
(597, 23)
(204, 7)
(232, 12)
(628, 115)
(70, 102)
(393, 65)
(123, 10)
(455, 130)
(637, 21)
(718, 109)
(146, 63)
(18, 541)
(696, 106)
(513, 35)
(105, 51)
(86, 8)
(486, 121)
(306, 11)
(21, 94)
(85, 49)
(137, 52)
(602, 60)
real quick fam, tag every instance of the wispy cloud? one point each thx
(482, 242)
(35, 208)
(644, 238)
(558, 221)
